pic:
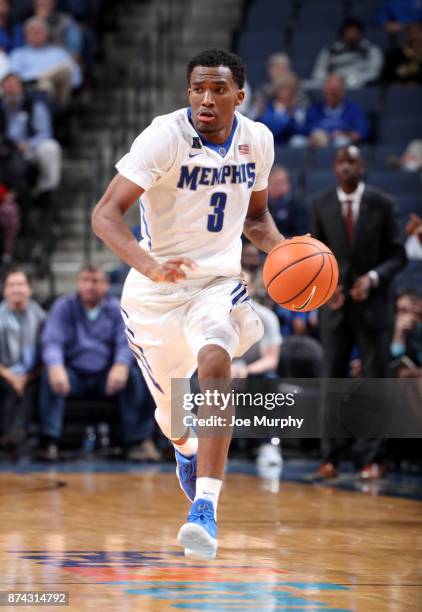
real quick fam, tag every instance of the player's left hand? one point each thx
(361, 288)
(117, 378)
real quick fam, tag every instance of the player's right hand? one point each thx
(171, 271)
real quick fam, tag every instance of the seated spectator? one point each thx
(48, 67)
(284, 114)
(290, 214)
(9, 224)
(26, 121)
(297, 323)
(403, 64)
(352, 56)
(21, 321)
(413, 243)
(64, 30)
(261, 360)
(411, 159)
(278, 66)
(335, 120)
(11, 34)
(4, 64)
(406, 346)
(394, 15)
(86, 354)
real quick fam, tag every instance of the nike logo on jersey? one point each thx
(190, 178)
(194, 155)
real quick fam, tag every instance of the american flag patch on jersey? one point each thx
(244, 149)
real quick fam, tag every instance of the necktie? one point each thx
(348, 221)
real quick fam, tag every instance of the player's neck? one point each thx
(219, 137)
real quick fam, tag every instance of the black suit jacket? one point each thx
(376, 245)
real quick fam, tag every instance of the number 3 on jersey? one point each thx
(216, 218)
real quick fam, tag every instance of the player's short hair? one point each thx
(218, 57)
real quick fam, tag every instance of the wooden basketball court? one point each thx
(109, 540)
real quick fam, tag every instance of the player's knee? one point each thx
(213, 362)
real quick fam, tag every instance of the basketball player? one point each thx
(200, 175)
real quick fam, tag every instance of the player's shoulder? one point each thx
(165, 131)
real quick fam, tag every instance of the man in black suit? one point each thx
(358, 223)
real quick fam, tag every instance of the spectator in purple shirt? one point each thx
(336, 120)
(86, 354)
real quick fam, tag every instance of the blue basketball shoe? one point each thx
(198, 535)
(186, 473)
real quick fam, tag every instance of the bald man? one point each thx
(359, 225)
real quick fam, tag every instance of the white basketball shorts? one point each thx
(167, 324)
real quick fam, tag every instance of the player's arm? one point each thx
(109, 225)
(259, 226)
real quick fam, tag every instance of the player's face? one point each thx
(213, 96)
(348, 165)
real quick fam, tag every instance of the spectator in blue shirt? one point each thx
(11, 35)
(21, 321)
(86, 354)
(335, 120)
(26, 121)
(394, 15)
(284, 115)
(289, 213)
(64, 31)
(48, 67)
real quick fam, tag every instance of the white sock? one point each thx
(188, 448)
(208, 488)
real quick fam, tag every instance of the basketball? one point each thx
(300, 274)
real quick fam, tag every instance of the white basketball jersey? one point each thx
(197, 193)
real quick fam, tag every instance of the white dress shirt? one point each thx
(355, 197)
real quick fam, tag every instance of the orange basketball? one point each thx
(300, 273)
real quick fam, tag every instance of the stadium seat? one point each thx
(316, 14)
(256, 71)
(306, 44)
(411, 276)
(407, 204)
(400, 130)
(396, 182)
(293, 159)
(261, 13)
(259, 44)
(368, 98)
(383, 156)
(319, 180)
(403, 99)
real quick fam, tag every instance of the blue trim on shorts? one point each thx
(238, 296)
(141, 357)
(236, 288)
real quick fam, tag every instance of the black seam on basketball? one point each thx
(288, 243)
(310, 282)
(293, 264)
(329, 286)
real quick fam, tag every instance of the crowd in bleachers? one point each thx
(47, 52)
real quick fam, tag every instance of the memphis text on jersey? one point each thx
(198, 175)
